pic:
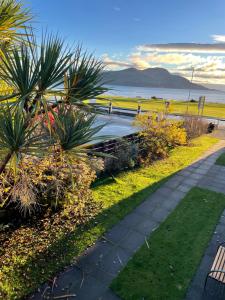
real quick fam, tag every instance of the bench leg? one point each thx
(206, 280)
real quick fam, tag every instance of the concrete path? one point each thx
(89, 278)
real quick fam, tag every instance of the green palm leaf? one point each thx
(74, 128)
(17, 135)
(13, 19)
(83, 80)
(32, 71)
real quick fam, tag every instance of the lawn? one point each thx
(211, 109)
(165, 268)
(221, 160)
(22, 271)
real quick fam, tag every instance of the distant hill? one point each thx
(151, 77)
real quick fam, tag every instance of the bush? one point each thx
(47, 183)
(158, 136)
(125, 156)
(43, 241)
(195, 126)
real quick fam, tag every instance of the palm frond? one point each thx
(55, 60)
(13, 20)
(83, 80)
(32, 71)
(74, 128)
(19, 70)
(17, 135)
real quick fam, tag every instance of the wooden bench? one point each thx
(217, 271)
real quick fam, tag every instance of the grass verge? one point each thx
(211, 109)
(221, 160)
(22, 271)
(165, 269)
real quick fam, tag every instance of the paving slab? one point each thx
(184, 187)
(119, 256)
(133, 241)
(146, 226)
(117, 233)
(131, 220)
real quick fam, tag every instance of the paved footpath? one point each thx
(89, 278)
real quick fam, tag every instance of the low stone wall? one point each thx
(108, 147)
(123, 153)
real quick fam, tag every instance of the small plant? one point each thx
(158, 136)
(195, 126)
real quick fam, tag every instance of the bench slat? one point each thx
(219, 264)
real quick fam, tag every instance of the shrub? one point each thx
(158, 136)
(125, 156)
(195, 126)
(49, 182)
(43, 241)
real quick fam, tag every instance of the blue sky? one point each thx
(133, 33)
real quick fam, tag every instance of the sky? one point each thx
(180, 35)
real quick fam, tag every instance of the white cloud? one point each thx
(184, 48)
(215, 77)
(218, 38)
(114, 64)
(174, 58)
(136, 19)
(138, 61)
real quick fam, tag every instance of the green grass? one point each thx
(211, 109)
(26, 271)
(221, 160)
(131, 187)
(165, 269)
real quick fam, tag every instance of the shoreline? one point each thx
(139, 99)
(212, 95)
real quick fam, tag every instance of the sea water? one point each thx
(176, 94)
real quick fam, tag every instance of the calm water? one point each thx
(177, 94)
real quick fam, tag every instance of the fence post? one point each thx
(167, 106)
(139, 109)
(110, 107)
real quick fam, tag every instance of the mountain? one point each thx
(151, 77)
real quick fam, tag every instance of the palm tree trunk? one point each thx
(5, 161)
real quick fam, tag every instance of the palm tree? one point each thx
(36, 73)
(43, 99)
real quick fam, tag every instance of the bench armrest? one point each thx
(216, 271)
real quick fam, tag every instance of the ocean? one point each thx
(176, 94)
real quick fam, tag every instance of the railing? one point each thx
(110, 146)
